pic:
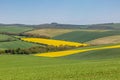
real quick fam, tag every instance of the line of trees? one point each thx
(34, 35)
(25, 34)
(37, 49)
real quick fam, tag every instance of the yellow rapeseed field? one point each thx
(69, 52)
(63, 43)
(53, 42)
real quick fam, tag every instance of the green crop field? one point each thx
(14, 29)
(6, 37)
(11, 42)
(23, 67)
(91, 65)
(49, 32)
(115, 25)
(59, 39)
(96, 54)
(56, 32)
(16, 44)
(84, 36)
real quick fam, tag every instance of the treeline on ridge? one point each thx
(25, 35)
(37, 49)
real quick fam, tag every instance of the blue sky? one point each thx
(61, 11)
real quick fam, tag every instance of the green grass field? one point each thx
(14, 29)
(96, 54)
(115, 25)
(23, 67)
(91, 65)
(84, 36)
(16, 44)
(49, 32)
(6, 37)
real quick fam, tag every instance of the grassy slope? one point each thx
(14, 29)
(6, 37)
(84, 36)
(115, 25)
(55, 32)
(49, 32)
(37, 68)
(16, 44)
(105, 40)
(97, 54)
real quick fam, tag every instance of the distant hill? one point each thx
(110, 26)
(104, 26)
(52, 25)
(63, 26)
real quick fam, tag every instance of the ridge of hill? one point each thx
(111, 26)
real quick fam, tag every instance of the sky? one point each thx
(60, 11)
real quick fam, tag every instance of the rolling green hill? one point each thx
(113, 25)
(105, 26)
(27, 67)
(16, 44)
(14, 29)
(49, 32)
(84, 36)
(91, 65)
(6, 37)
(96, 55)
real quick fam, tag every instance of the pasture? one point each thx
(28, 67)
(49, 32)
(16, 44)
(6, 37)
(95, 55)
(100, 64)
(14, 29)
(85, 36)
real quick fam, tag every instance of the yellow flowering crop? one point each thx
(69, 52)
(53, 42)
